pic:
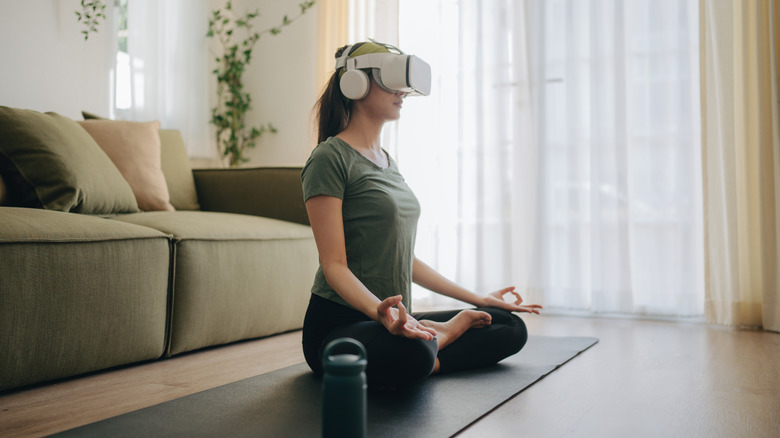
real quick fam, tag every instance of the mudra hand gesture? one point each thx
(398, 322)
(496, 299)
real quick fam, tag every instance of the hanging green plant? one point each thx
(92, 11)
(233, 102)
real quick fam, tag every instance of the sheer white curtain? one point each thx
(378, 20)
(580, 185)
(621, 181)
(168, 68)
(465, 150)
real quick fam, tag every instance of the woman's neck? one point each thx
(363, 133)
(364, 137)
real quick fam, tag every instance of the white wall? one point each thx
(46, 65)
(281, 79)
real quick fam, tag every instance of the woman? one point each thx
(364, 219)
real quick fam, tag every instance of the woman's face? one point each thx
(382, 104)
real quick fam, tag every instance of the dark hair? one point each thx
(333, 109)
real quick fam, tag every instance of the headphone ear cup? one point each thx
(354, 84)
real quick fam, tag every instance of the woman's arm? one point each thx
(430, 279)
(328, 227)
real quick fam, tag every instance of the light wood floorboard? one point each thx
(53, 408)
(644, 378)
(649, 379)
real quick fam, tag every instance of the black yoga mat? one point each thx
(287, 402)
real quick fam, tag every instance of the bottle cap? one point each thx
(339, 356)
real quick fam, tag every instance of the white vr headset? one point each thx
(394, 72)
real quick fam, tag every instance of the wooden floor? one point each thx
(644, 378)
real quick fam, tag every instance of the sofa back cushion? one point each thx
(50, 161)
(177, 170)
(134, 147)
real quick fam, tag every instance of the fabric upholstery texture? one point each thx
(134, 147)
(90, 116)
(273, 192)
(49, 160)
(99, 288)
(177, 170)
(81, 293)
(235, 277)
(175, 166)
(3, 192)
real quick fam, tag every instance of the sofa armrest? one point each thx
(273, 192)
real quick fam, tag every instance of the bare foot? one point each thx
(447, 332)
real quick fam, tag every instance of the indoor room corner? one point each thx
(616, 162)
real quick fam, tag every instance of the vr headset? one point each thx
(394, 72)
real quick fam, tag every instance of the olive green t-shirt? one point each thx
(380, 215)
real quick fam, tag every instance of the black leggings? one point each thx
(396, 360)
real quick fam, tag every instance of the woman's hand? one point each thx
(399, 323)
(496, 299)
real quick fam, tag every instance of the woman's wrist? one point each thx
(482, 302)
(474, 299)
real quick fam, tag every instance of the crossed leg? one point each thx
(481, 345)
(466, 339)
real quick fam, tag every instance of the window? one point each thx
(122, 89)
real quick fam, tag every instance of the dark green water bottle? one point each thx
(344, 389)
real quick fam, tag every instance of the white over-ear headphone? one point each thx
(354, 83)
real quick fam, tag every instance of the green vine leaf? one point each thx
(92, 11)
(228, 116)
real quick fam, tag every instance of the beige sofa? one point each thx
(88, 281)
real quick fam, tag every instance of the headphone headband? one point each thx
(341, 61)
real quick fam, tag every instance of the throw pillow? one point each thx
(175, 166)
(48, 160)
(134, 147)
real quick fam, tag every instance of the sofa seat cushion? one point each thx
(78, 294)
(236, 276)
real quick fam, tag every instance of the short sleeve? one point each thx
(325, 173)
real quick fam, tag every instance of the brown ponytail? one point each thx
(333, 109)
